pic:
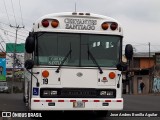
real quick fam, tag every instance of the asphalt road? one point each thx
(150, 103)
(142, 102)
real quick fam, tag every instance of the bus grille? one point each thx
(79, 93)
(75, 93)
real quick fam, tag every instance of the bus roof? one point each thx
(77, 22)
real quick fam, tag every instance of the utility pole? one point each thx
(17, 27)
(150, 83)
(75, 7)
(149, 54)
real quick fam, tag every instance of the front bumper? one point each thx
(70, 104)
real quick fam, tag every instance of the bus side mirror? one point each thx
(30, 43)
(122, 66)
(29, 64)
(129, 51)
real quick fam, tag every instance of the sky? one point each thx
(140, 18)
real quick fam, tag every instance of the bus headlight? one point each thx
(106, 93)
(49, 93)
(46, 92)
(103, 92)
(110, 93)
(53, 92)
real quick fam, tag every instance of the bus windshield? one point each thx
(51, 49)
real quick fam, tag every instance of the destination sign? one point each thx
(80, 24)
(56, 60)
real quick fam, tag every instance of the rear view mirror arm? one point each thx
(37, 84)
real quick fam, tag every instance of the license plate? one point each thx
(78, 104)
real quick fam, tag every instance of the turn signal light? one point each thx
(45, 74)
(112, 75)
(55, 23)
(105, 26)
(45, 23)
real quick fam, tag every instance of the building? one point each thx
(143, 64)
(141, 69)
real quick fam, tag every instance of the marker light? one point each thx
(114, 26)
(105, 26)
(55, 23)
(45, 74)
(112, 75)
(45, 23)
(104, 78)
(81, 13)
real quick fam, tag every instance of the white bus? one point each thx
(71, 63)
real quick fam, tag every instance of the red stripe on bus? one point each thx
(107, 100)
(119, 101)
(36, 100)
(96, 100)
(84, 100)
(48, 100)
(60, 100)
(72, 100)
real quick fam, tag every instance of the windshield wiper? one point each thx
(94, 61)
(65, 58)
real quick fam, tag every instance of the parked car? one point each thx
(4, 87)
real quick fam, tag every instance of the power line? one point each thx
(1, 43)
(28, 28)
(9, 25)
(6, 11)
(7, 37)
(18, 38)
(21, 12)
(13, 12)
(15, 37)
(5, 23)
(13, 32)
(19, 35)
